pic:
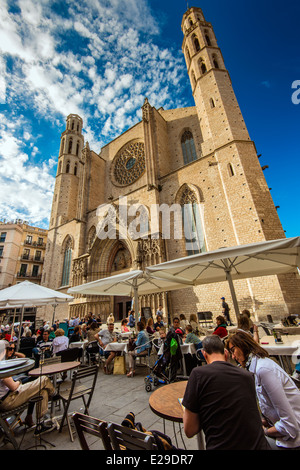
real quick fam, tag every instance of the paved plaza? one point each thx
(114, 397)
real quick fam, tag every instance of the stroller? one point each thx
(165, 368)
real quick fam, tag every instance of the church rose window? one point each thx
(129, 163)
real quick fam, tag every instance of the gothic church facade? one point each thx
(200, 155)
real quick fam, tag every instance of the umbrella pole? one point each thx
(233, 295)
(20, 327)
(136, 302)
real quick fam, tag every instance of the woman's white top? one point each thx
(279, 399)
(60, 343)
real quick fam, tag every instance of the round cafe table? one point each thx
(15, 366)
(54, 369)
(165, 404)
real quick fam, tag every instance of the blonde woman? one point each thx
(60, 341)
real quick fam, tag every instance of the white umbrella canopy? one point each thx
(239, 262)
(132, 284)
(27, 294)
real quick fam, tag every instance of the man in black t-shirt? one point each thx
(220, 399)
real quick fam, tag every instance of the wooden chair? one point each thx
(85, 424)
(8, 422)
(82, 386)
(122, 437)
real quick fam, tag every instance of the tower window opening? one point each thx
(78, 127)
(70, 146)
(68, 167)
(75, 169)
(202, 66)
(188, 147)
(59, 168)
(216, 64)
(196, 44)
(72, 127)
(192, 224)
(191, 22)
(77, 149)
(207, 39)
(67, 265)
(194, 78)
(212, 103)
(188, 54)
(230, 169)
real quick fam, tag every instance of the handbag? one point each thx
(119, 365)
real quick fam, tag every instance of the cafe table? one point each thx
(286, 351)
(53, 370)
(164, 402)
(117, 347)
(11, 367)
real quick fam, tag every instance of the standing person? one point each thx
(160, 312)
(131, 319)
(278, 396)
(225, 311)
(220, 399)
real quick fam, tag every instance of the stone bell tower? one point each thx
(64, 206)
(235, 169)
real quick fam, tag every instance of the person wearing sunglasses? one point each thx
(11, 352)
(278, 396)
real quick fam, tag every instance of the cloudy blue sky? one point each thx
(101, 58)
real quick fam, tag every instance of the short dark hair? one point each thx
(213, 344)
(189, 328)
(176, 318)
(140, 325)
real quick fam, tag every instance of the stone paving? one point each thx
(114, 397)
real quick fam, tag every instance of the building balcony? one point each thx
(29, 276)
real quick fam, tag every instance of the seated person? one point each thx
(43, 346)
(14, 393)
(92, 331)
(104, 337)
(191, 337)
(221, 328)
(60, 342)
(159, 323)
(11, 353)
(76, 336)
(150, 326)
(124, 327)
(244, 325)
(142, 344)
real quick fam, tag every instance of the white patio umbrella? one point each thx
(239, 262)
(132, 284)
(27, 294)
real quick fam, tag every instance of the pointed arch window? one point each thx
(77, 149)
(192, 224)
(215, 61)
(65, 280)
(68, 167)
(59, 168)
(70, 146)
(75, 169)
(188, 147)
(202, 65)
(188, 54)
(196, 43)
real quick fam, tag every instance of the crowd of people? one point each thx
(241, 399)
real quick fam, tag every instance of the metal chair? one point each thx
(8, 425)
(68, 355)
(82, 386)
(85, 424)
(122, 437)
